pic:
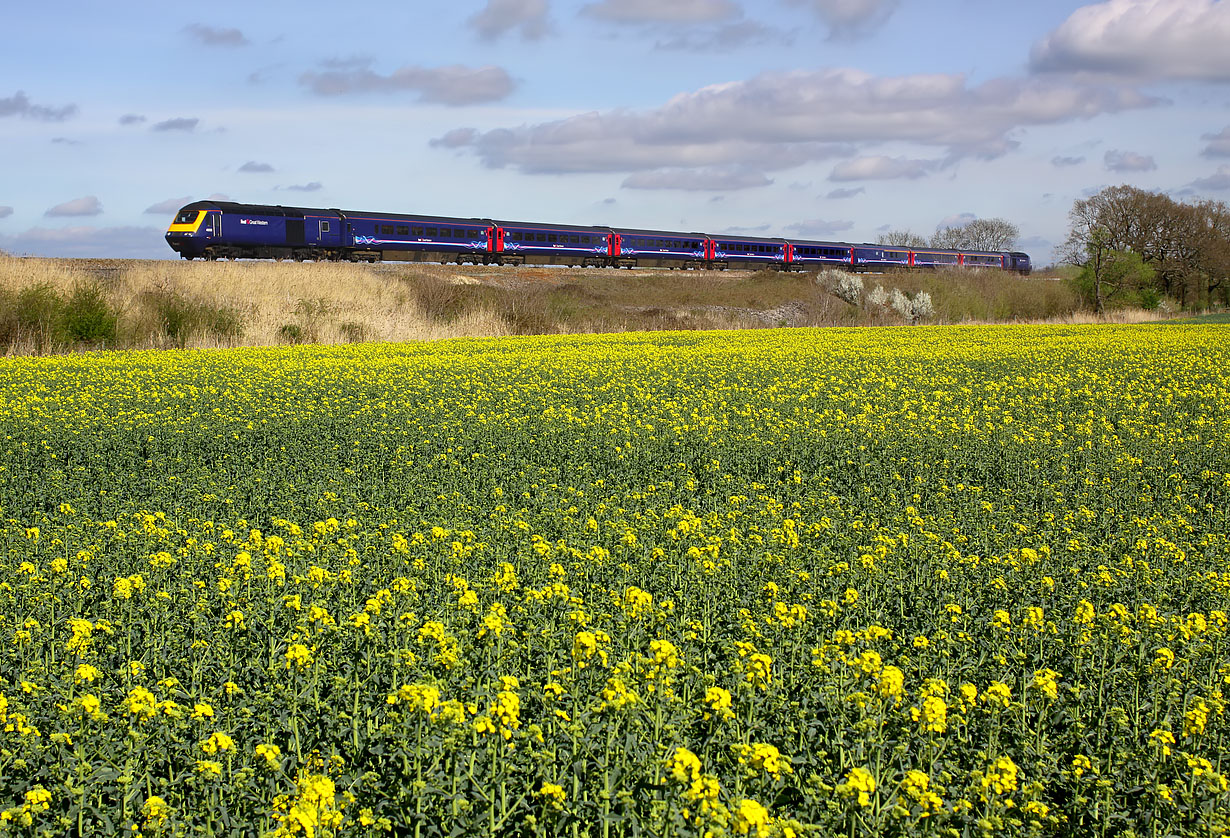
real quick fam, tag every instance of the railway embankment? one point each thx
(56, 305)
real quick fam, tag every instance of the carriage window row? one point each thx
(552, 238)
(428, 232)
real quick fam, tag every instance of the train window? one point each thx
(542, 237)
(386, 230)
(186, 217)
(416, 231)
(429, 231)
(551, 237)
(402, 230)
(585, 240)
(324, 226)
(575, 239)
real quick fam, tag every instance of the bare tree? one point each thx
(901, 238)
(979, 234)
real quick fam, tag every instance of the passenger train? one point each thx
(227, 230)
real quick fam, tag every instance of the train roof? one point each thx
(547, 226)
(738, 238)
(673, 234)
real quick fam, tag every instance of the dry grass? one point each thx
(272, 303)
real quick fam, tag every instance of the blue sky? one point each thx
(832, 119)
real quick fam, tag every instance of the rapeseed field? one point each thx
(930, 581)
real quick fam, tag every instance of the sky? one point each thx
(823, 119)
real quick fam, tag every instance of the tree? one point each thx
(1186, 245)
(901, 238)
(979, 234)
(1107, 271)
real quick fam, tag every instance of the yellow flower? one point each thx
(932, 714)
(891, 683)
(209, 768)
(271, 754)
(1196, 717)
(299, 656)
(1046, 682)
(552, 794)
(1000, 777)
(156, 812)
(683, 765)
(216, 742)
(859, 784)
(718, 702)
(202, 711)
(751, 818)
(86, 673)
(766, 758)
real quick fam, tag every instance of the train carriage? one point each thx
(747, 252)
(420, 238)
(522, 243)
(631, 248)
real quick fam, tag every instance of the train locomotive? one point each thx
(228, 230)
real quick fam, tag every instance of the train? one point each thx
(228, 230)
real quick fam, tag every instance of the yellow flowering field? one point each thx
(933, 581)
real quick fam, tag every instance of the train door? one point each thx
(615, 241)
(490, 239)
(213, 225)
(499, 239)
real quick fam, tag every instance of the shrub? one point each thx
(291, 333)
(88, 319)
(180, 317)
(40, 315)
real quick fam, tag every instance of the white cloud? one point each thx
(453, 85)
(5, 212)
(852, 18)
(20, 105)
(89, 205)
(252, 167)
(1141, 39)
(82, 242)
(1219, 143)
(212, 36)
(1218, 182)
(499, 17)
(313, 186)
(179, 124)
(1128, 161)
(819, 227)
(844, 192)
(879, 167)
(696, 180)
(662, 11)
(131, 119)
(168, 206)
(1060, 162)
(776, 121)
(727, 36)
(959, 219)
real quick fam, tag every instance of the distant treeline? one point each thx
(1135, 246)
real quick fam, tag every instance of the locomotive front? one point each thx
(195, 228)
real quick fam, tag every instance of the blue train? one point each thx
(228, 230)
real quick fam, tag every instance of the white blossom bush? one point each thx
(850, 288)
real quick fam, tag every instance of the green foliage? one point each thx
(180, 318)
(88, 317)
